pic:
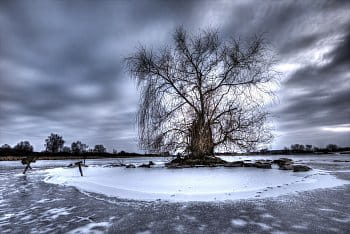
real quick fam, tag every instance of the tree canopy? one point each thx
(78, 147)
(54, 143)
(99, 149)
(23, 146)
(203, 93)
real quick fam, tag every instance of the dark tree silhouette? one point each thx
(297, 147)
(308, 148)
(23, 146)
(332, 147)
(54, 143)
(66, 149)
(203, 93)
(5, 147)
(99, 149)
(78, 148)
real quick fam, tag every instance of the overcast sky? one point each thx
(61, 65)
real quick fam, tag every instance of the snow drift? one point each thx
(191, 184)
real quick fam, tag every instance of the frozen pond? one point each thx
(52, 199)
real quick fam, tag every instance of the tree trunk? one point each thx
(201, 139)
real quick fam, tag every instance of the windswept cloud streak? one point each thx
(61, 64)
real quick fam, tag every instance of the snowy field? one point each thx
(53, 199)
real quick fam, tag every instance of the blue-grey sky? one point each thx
(61, 65)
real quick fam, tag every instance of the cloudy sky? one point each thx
(61, 65)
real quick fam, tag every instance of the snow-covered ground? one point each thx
(28, 204)
(191, 184)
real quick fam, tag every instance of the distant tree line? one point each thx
(296, 149)
(311, 148)
(55, 145)
(305, 149)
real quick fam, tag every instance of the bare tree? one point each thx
(99, 149)
(79, 148)
(5, 146)
(66, 149)
(203, 93)
(308, 148)
(332, 147)
(23, 146)
(297, 147)
(54, 143)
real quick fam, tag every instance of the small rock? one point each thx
(263, 164)
(286, 167)
(248, 164)
(234, 164)
(115, 165)
(130, 166)
(283, 161)
(173, 166)
(150, 163)
(297, 168)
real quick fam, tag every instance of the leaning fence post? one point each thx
(79, 165)
(28, 160)
(27, 167)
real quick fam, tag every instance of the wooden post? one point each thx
(80, 169)
(28, 161)
(27, 167)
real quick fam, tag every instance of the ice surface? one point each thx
(56, 212)
(239, 222)
(191, 184)
(91, 228)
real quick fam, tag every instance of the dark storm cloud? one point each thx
(341, 55)
(299, 44)
(61, 69)
(318, 95)
(325, 95)
(61, 61)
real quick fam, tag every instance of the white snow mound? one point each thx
(191, 184)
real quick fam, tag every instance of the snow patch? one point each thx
(6, 216)
(300, 227)
(91, 228)
(266, 215)
(145, 232)
(239, 222)
(56, 212)
(191, 184)
(263, 226)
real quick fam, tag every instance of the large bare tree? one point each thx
(203, 93)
